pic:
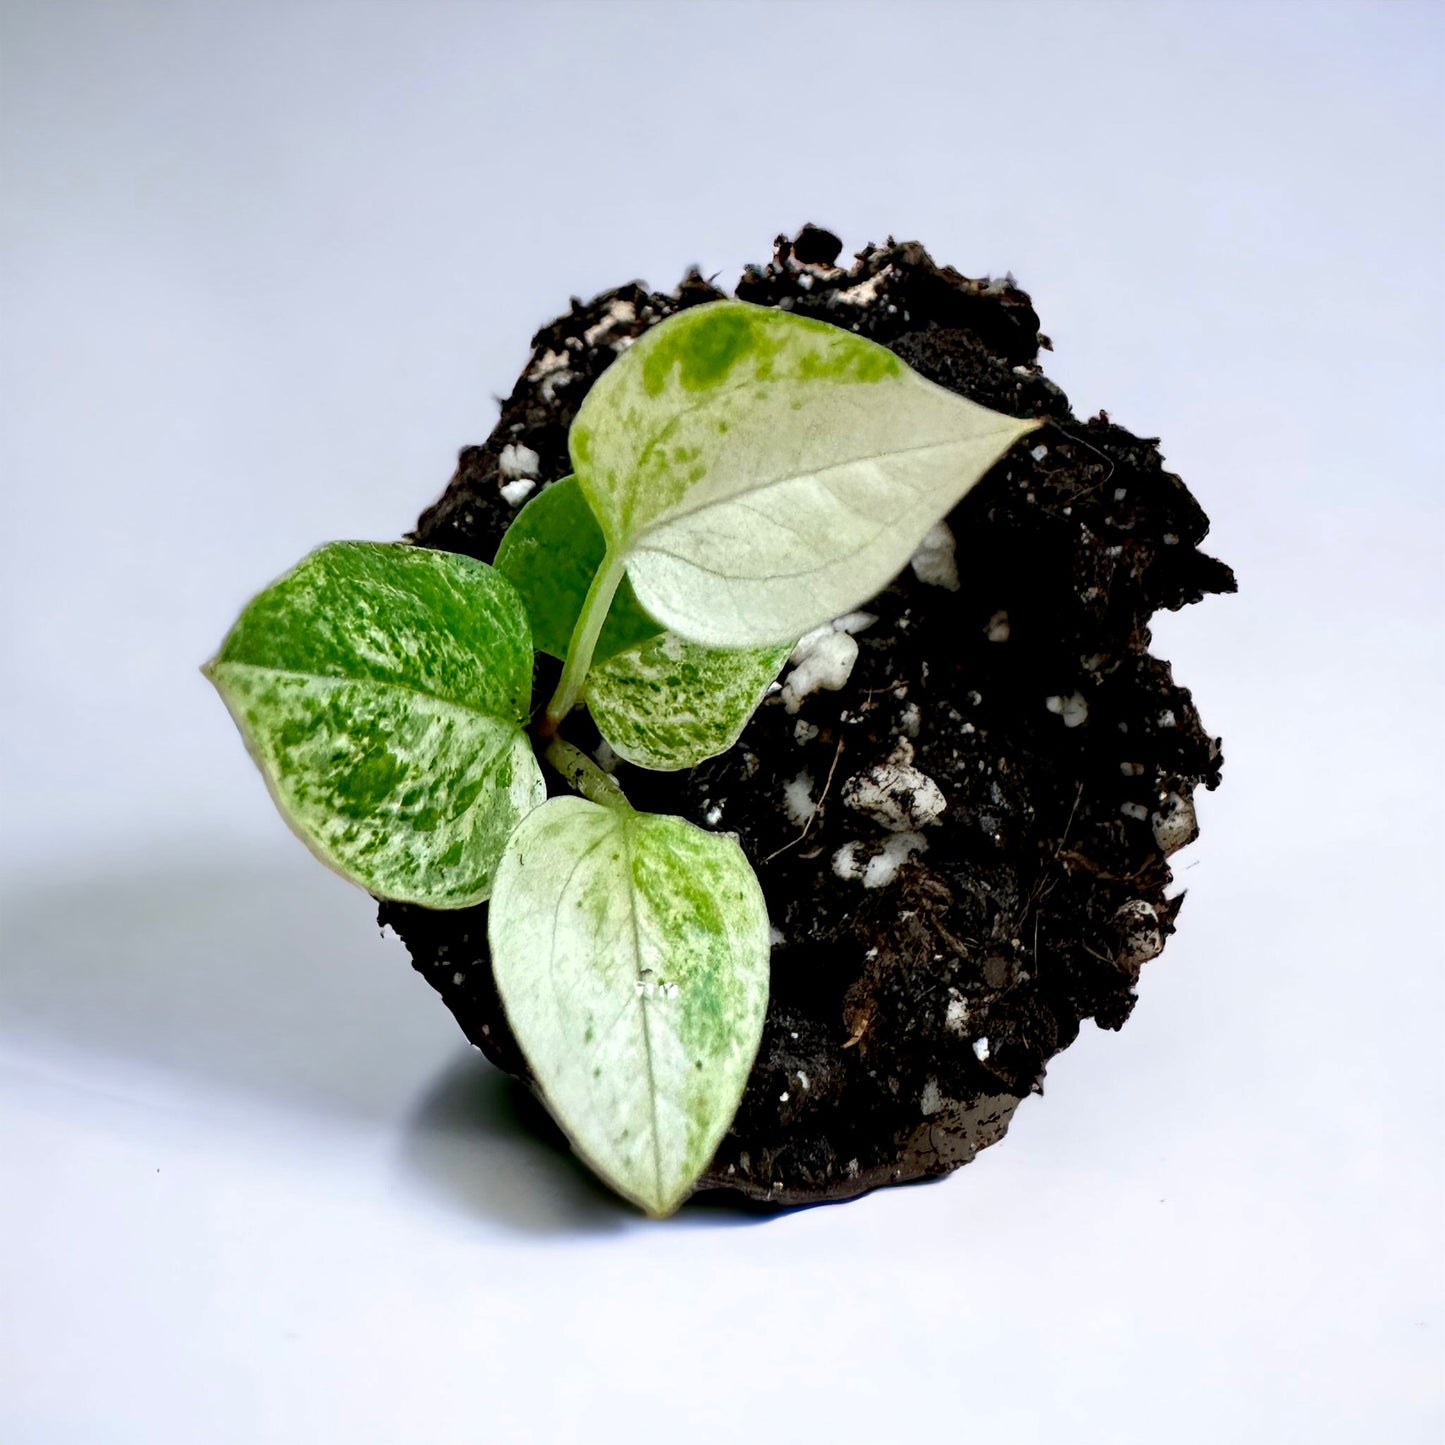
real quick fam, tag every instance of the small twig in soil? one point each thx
(859, 1029)
(1064, 837)
(1072, 858)
(828, 783)
(1078, 496)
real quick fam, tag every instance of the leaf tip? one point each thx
(663, 1203)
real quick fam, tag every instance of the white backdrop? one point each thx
(265, 266)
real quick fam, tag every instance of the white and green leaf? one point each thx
(631, 955)
(758, 472)
(381, 690)
(667, 703)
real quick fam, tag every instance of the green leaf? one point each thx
(550, 554)
(668, 703)
(761, 473)
(381, 690)
(631, 954)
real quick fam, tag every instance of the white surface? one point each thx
(264, 265)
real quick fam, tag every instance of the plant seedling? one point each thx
(741, 475)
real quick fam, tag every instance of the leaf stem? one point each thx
(584, 640)
(584, 776)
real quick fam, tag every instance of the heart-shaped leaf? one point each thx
(631, 954)
(381, 690)
(760, 473)
(550, 554)
(667, 703)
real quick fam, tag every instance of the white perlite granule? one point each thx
(1073, 709)
(515, 493)
(1174, 823)
(822, 659)
(798, 799)
(518, 461)
(1139, 924)
(934, 562)
(881, 868)
(895, 795)
(853, 622)
(552, 370)
(863, 294)
(998, 628)
(617, 313)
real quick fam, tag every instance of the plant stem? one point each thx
(584, 775)
(584, 641)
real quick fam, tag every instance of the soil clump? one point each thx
(927, 962)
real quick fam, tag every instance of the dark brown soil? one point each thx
(908, 1020)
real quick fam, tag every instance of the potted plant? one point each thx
(688, 766)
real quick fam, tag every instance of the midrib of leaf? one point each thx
(762, 577)
(681, 510)
(646, 1027)
(557, 913)
(327, 680)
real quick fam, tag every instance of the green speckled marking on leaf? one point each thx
(668, 703)
(760, 472)
(703, 347)
(550, 554)
(631, 954)
(381, 689)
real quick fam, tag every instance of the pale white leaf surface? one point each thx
(631, 954)
(762, 472)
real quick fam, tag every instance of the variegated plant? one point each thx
(741, 475)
